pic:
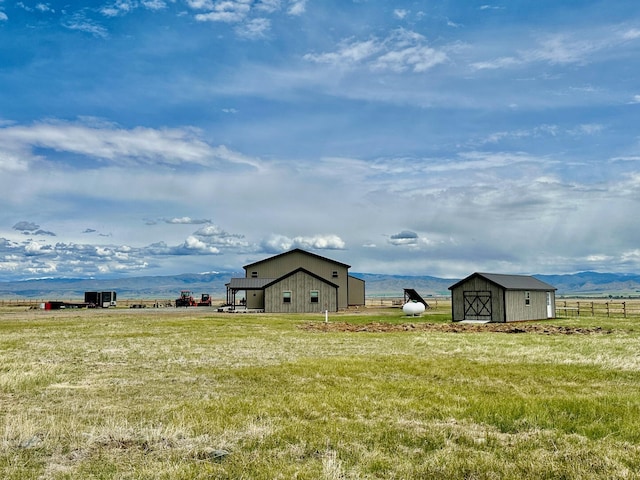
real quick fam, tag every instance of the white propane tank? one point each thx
(412, 309)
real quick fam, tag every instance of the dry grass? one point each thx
(195, 394)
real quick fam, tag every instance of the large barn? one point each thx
(296, 282)
(494, 297)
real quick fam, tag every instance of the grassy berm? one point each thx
(195, 394)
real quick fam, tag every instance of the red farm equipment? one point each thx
(205, 300)
(186, 300)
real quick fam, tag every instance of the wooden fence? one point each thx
(599, 308)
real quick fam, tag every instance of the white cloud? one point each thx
(195, 244)
(297, 7)
(81, 23)
(3, 17)
(119, 7)
(401, 50)
(400, 13)
(631, 34)
(227, 11)
(187, 221)
(253, 29)
(44, 7)
(573, 48)
(282, 243)
(268, 6)
(154, 4)
(201, 4)
(171, 146)
(12, 161)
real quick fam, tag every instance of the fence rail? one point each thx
(590, 308)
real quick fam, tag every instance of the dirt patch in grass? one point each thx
(377, 327)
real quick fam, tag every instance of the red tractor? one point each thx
(186, 299)
(205, 300)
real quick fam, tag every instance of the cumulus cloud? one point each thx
(281, 243)
(3, 17)
(402, 50)
(194, 244)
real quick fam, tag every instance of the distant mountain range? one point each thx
(377, 285)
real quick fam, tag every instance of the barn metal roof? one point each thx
(243, 283)
(304, 270)
(510, 282)
(300, 251)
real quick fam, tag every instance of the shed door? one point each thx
(477, 306)
(549, 306)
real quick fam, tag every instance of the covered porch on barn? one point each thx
(253, 286)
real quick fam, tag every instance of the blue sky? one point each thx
(409, 137)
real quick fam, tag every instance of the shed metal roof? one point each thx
(510, 282)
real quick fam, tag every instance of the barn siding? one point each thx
(537, 309)
(280, 265)
(255, 299)
(300, 284)
(477, 284)
(356, 291)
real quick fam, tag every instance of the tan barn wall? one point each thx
(280, 265)
(255, 299)
(356, 291)
(300, 284)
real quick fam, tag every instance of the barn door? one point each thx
(477, 306)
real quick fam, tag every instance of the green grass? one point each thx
(184, 394)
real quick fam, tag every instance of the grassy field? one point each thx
(192, 393)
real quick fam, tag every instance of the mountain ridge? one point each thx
(376, 284)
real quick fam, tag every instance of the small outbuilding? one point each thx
(494, 297)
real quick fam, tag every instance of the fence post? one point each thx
(607, 304)
(592, 310)
(624, 309)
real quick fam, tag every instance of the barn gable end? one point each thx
(299, 273)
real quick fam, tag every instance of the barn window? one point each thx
(286, 297)
(315, 295)
(335, 274)
(254, 274)
(527, 298)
